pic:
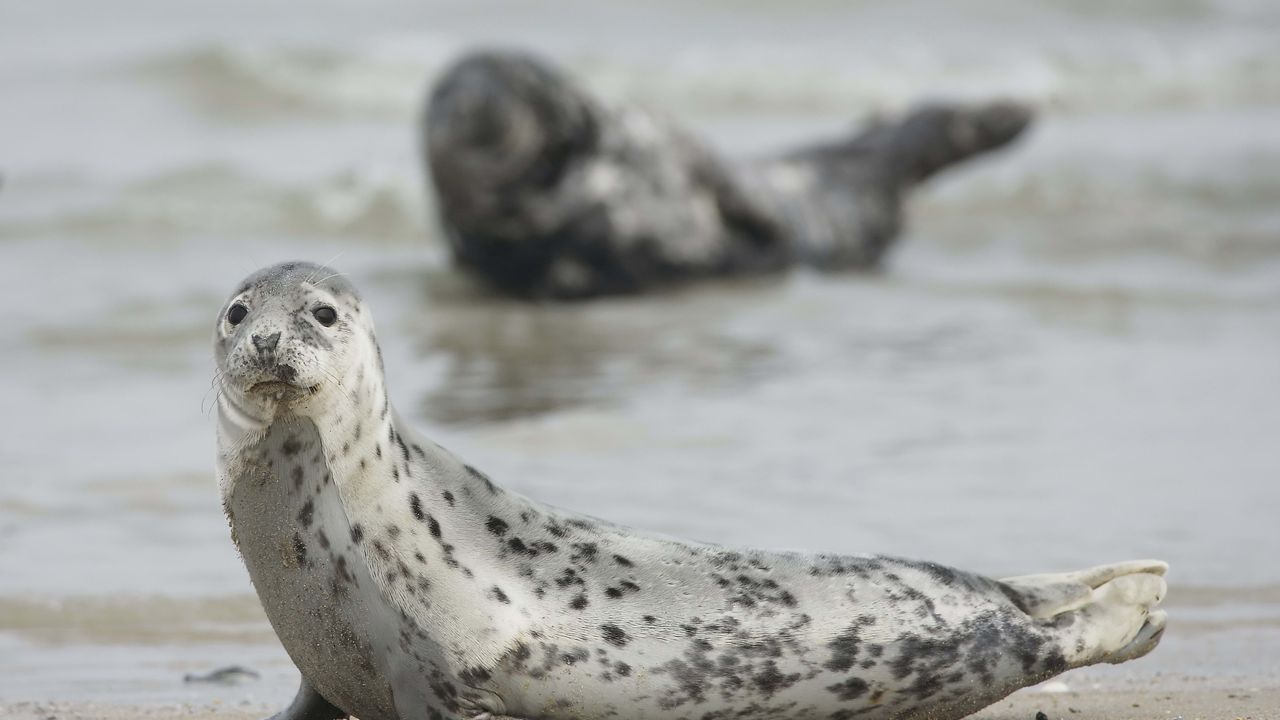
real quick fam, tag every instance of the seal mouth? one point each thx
(281, 390)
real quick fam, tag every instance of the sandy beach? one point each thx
(1153, 704)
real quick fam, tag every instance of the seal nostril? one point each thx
(286, 373)
(267, 343)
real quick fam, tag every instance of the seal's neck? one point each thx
(352, 415)
(241, 426)
(357, 427)
(371, 454)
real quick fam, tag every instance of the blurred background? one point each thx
(1072, 357)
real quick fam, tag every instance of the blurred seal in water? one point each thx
(546, 192)
(229, 675)
(407, 585)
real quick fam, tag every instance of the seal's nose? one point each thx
(266, 344)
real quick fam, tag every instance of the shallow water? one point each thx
(1072, 358)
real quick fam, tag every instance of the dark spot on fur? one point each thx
(415, 506)
(500, 596)
(340, 569)
(568, 577)
(769, 680)
(574, 657)
(299, 550)
(357, 533)
(614, 635)
(448, 497)
(305, 514)
(497, 525)
(584, 552)
(578, 602)
(623, 561)
(482, 478)
(404, 449)
(474, 676)
(845, 646)
(850, 689)
(520, 653)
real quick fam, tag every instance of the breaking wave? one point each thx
(216, 200)
(1145, 73)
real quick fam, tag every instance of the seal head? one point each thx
(281, 338)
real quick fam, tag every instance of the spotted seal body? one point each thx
(545, 191)
(405, 583)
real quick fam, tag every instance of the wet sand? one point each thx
(1162, 703)
(1157, 703)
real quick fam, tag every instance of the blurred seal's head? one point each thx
(500, 120)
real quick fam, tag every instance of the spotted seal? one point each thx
(406, 584)
(545, 191)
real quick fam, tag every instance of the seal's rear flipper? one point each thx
(1105, 613)
(1146, 641)
(928, 139)
(934, 137)
(1047, 595)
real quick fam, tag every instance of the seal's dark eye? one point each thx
(326, 315)
(237, 313)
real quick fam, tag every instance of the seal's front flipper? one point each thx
(308, 705)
